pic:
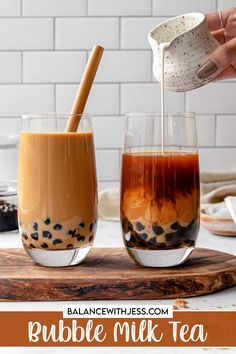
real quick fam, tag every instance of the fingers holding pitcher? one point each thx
(221, 63)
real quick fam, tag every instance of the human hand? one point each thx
(222, 61)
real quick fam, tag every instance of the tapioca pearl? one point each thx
(91, 238)
(57, 227)
(158, 230)
(182, 232)
(139, 226)
(32, 246)
(72, 232)
(47, 234)
(133, 237)
(35, 226)
(82, 224)
(143, 236)
(35, 236)
(81, 238)
(24, 236)
(142, 244)
(175, 226)
(152, 241)
(44, 245)
(47, 221)
(56, 241)
(70, 246)
(91, 227)
(169, 237)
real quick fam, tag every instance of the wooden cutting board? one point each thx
(109, 274)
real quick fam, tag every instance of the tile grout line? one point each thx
(185, 109)
(54, 97)
(119, 98)
(86, 16)
(119, 30)
(215, 129)
(21, 8)
(22, 67)
(54, 33)
(152, 8)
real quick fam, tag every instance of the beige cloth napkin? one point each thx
(109, 204)
(215, 186)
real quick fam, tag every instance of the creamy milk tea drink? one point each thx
(57, 190)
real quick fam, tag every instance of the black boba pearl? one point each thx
(133, 238)
(170, 236)
(175, 226)
(47, 234)
(72, 232)
(35, 236)
(91, 227)
(158, 230)
(130, 226)
(47, 221)
(139, 226)
(81, 238)
(56, 241)
(24, 235)
(142, 244)
(44, 245)
(82, 224)
(70, 246)
(91, 238)
(35, 226)
(153, 241)
(142, 236)
(32, 246)
(182, 232)
(57, 227)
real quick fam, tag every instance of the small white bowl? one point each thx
(223, 226)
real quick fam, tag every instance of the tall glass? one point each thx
(57, 192)
(160, 189)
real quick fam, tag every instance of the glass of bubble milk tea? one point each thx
(160, 188)
(57, 190)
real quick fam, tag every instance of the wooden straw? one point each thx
(84, 89)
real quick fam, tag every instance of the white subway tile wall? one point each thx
(44, 45)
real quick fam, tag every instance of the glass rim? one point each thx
(52, 115)
(139, 115)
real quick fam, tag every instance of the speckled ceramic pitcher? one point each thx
(190, 41)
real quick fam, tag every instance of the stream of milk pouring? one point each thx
(162, 47)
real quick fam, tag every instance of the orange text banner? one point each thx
(186, 328)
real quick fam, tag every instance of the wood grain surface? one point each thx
(109, 274)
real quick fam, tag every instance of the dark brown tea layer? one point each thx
(160, 200)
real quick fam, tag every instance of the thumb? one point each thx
(218, 60)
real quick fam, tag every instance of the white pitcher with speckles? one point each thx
(189, 41)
